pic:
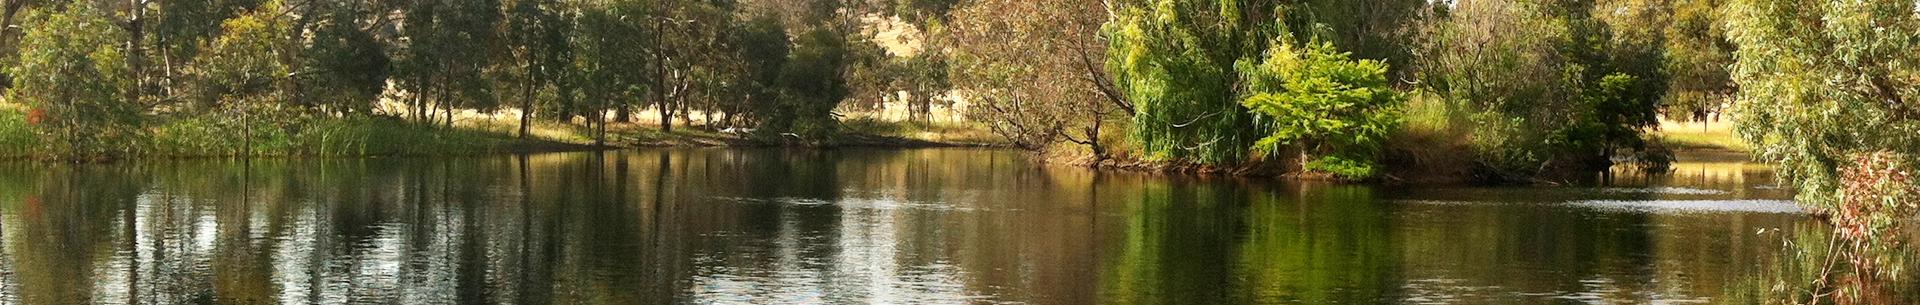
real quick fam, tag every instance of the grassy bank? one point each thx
(1712, 135)
(315, 136)
(326, 136)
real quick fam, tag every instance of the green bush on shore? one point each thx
(16, 138)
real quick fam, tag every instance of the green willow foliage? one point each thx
(1220, 82)
(1823, 83)
(75, 80)
(1336, 110)
(1174, 59)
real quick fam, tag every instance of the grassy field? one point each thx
(1698, 135)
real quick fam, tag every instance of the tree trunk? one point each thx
(136, 32)
(526, 102)
(600, 132)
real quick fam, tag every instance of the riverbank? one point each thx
(369, 136)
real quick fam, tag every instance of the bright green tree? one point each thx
(241, 70)
(1333, 110)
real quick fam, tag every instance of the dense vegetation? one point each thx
(115, 79)
(1496, 90)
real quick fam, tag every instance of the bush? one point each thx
(1334, 110)
(16, 137)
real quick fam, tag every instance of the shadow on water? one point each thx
(941, 226)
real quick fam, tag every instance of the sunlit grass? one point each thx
(943, 132)
(315, 136)
(1696, 135)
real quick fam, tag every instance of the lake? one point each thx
(931, 226)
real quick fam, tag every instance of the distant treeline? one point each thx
(96, 74)
(1499, 90)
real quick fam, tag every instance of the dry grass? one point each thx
(1700, 135)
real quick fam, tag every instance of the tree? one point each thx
(1542, 86)
(344, 67)
(603, 68)
(763, 47)
(1335, 111)
(1174, 60)
(1699, 55)
(241, 69)
(450, 46)
(1828, 89)
(537, 33)
(1033, 71)
(812, 83)
(72, 72)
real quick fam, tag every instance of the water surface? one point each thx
(940, 226)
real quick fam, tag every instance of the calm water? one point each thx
(950, 226)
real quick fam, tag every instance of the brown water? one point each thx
(941, 226)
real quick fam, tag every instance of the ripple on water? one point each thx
(854, 203)
(1694, 206)
(1667, 190)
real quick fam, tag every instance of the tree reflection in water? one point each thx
(855, 226)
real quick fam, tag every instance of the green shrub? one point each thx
(1334, 110)
(16, 137)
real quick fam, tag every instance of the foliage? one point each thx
(70, 73)
(812, 83)
(344, 68)
(1543, 86)
(242, 67)
(17, 138)
(1823, 83)
(1032, 72)
(1336, 110)
(1174, 60)
(1699, 55)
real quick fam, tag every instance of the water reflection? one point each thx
(854, 226)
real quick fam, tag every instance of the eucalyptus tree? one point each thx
(762, 45)
(536, 36)
(603, 68)
(451, 44)
(344, 67)
(1033, 71)
(688, 37)
(241, 69)
(1698, 54)
(73, 73)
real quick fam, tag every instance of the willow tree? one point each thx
(1830, 90)
(1174, 60)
